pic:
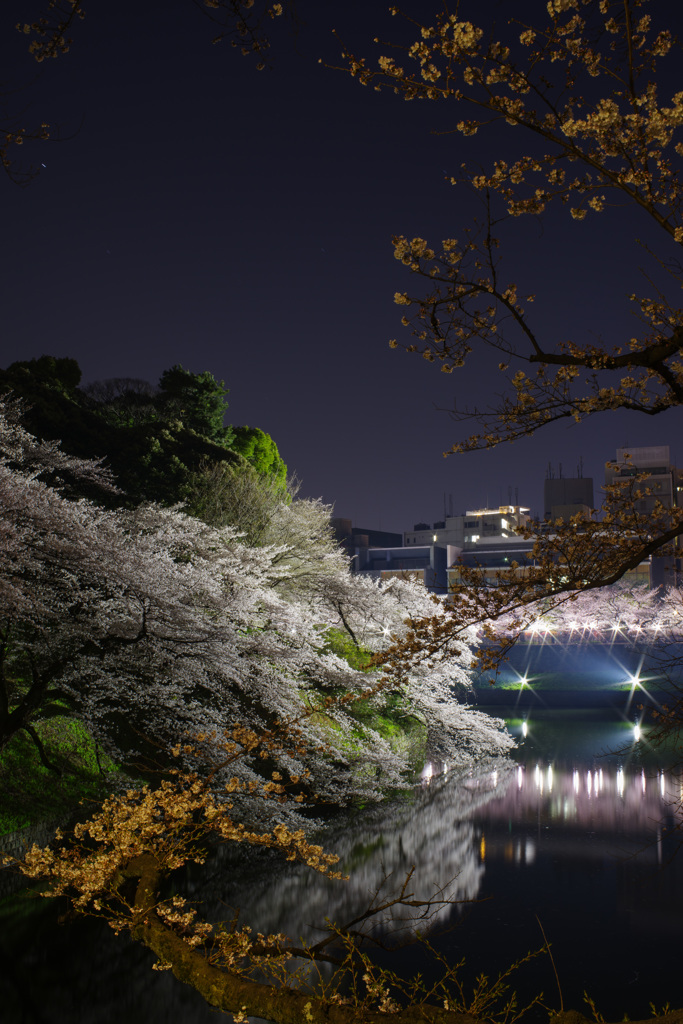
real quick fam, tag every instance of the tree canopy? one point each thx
(260, 451)
(150, 617)
(155, 439)
(586, 90)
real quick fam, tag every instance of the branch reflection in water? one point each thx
(431, 828)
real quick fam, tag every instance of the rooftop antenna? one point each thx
(517, 496)
(560, 471)
(580, 467)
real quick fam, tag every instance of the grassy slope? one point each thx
(31, 793)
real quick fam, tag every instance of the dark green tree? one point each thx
(158, 441)
(197, 400)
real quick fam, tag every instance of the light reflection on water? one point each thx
(568, 831)
(572, 833)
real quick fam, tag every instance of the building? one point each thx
(664, 484)
(426, 563)
(470, 527)
(564, 497)
(493, 556)
(490, 538)
(355, 539)
(663, 480)
(429, 550)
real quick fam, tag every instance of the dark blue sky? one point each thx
(237, 221)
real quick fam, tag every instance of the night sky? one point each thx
(201, 212)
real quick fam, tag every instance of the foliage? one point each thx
(165, 443)
(197, 400)
(148, 625)
(584, 88)
(310, 559)
(31, 793)
(260, 451)
(61, 374)
(236, 495)
(339, 642)
(621, 611)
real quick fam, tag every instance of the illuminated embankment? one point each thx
(589, 667)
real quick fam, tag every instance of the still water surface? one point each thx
(571, 833)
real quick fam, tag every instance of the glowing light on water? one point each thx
(620, 781)
(589, 783)
(525, 729)
(643, 781)
(636, 732)
(550, 778)
(520, 776)
(575, 781)
(662, 784)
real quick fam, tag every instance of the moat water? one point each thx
(575, 836)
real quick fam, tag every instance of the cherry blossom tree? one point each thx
(150, 618)
(155, 629)
(584, 87)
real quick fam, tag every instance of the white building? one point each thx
(478, 525)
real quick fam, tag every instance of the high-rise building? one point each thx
(663, 480)
(564, 496)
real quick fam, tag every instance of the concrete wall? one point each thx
(15, 844)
